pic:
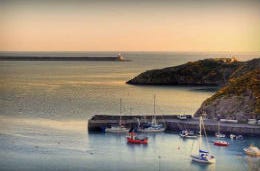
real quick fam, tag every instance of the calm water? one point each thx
(45, 107)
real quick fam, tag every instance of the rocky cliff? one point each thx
(203, 72)
(239, 99)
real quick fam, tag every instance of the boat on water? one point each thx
(120, 128)
(132, 138)
(218, 134)
(117, 129)
(154, 126)
(236, 137)
(188, 134)
(203, 156)
(221, 143)
(252, 150)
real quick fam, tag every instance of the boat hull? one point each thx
(189, 136)
(197, 158)
(117, 130)
(136, 141)
(251, 153)
(220, 135)
(221, 144)
(151, 130)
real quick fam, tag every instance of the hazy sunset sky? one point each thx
(130, 25)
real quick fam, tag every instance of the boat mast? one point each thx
(120, 119)
(218, 128)
(200, 132)
(154, 113)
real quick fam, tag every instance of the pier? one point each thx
(118, 58)
(173, 124)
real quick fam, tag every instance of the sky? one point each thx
(130, 25)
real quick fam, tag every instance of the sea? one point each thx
(45, 106)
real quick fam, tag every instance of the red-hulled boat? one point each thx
(133, 139)
(221, 143)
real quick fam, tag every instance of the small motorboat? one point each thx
(236, 137)
(221, 143)
(132, 138)
(252, 151)
(232, 136)
(188, 134)
(219, 135)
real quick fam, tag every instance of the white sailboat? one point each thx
(203, 156)
(120, 128)
(218, 134)
(154, 126)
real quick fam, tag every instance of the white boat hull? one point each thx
(189, 136)
(251, 152)
(116, 130)
(151, 130)
(197, 158)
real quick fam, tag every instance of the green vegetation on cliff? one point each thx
(203, 72)
(239, 99)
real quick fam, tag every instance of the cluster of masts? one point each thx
(202, 155)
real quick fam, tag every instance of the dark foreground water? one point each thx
(45, 107)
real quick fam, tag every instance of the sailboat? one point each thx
(154, 126)
(203, 156)
(218, 134)
(188, 134)
(120, 128)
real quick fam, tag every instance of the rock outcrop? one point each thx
(203, 72)
(239, 99)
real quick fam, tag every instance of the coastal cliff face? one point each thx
(202, 72)
(239, 99)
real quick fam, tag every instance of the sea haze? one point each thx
(45, 107)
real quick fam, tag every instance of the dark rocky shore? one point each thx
(238, 97)
(203, 72)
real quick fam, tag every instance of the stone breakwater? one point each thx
(72, 58)
(173, 124)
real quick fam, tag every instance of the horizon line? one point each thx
(121, 51)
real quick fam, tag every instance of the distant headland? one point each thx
(118, 58)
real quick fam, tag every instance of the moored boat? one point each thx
(117, 129)
(221, 143)
(203, 156)
(218, 134)
(132, 138)
(236, 137)
(252, 150)
(188, 134)
(120, 128)
(152, 127)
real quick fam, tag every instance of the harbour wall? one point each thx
(48, 58)
(173, 124)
